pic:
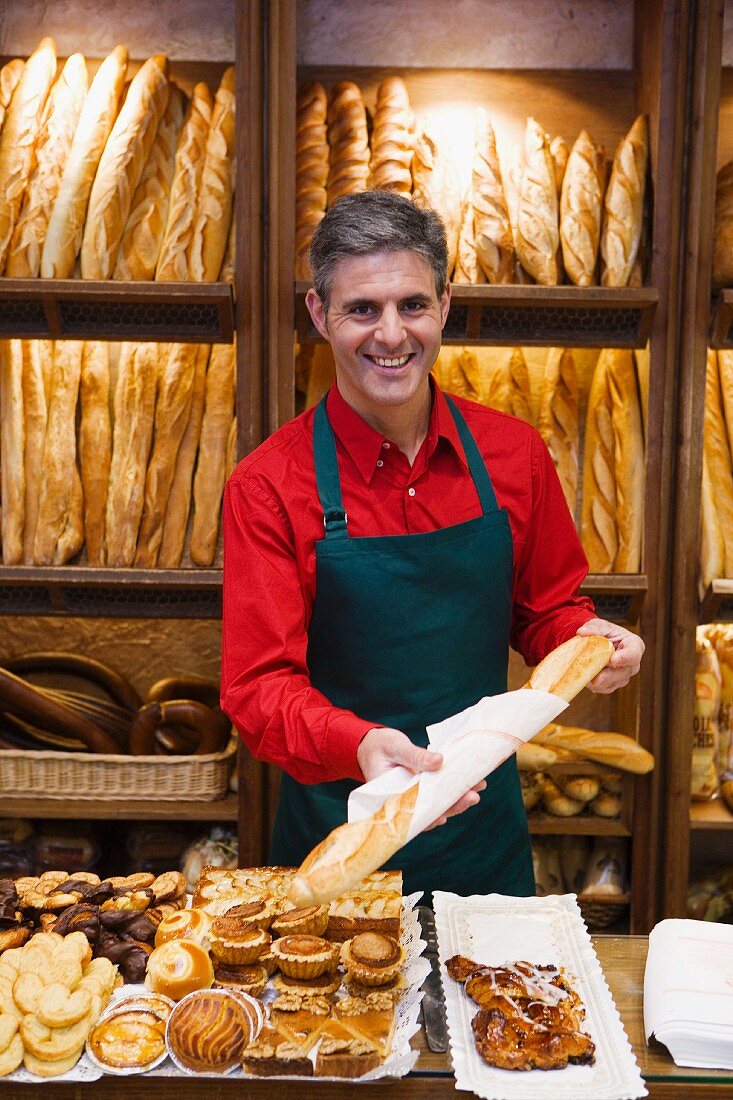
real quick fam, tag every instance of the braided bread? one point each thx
(491, 224)
(311, 170)
(538, 235)
(580, 210)
(558, 419)
(348, 141)
(392, 138)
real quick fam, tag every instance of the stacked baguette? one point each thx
(716, 528)
(106, 182)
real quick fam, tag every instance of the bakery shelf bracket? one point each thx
(78, 309)
(555, 316)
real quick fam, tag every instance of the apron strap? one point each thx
(476, 464)
(327, 475)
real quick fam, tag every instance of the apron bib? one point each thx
(407, 630)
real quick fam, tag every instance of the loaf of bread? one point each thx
(559, 153)
(581, 204)
(12, 450)
(725, 371)
(582, 788)
(226, 275)
(179, 496)
(176, 375)
(718, 457)
(556, 802)
(435, 186)
(459, 373)
(95, 445)
(723, 237)
(121, 167)
(71, 538)
(232, 447)
(348, 142)
(143, 235)
(629, 459)
(598, 530)
(58, 506)
(467, 269)
(215, 199)
(208, 485)
(617, 750)
(66, 225)
(558, 420)
(185, 186)
(642, 361)
(18, 137)
(505, 382)
(9, 76)
(712, 541)
(311, 170)
(538, 235)
(357, 848)
(134, 409)
(606, 805)
(35, 411)
(532, 757)
(491, 224)
(623, 206)
(392, 138)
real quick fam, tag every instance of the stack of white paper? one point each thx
(688, 992)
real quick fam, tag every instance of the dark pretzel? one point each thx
(211, 727)
(22, 699)
(185, 687)
(86, 668)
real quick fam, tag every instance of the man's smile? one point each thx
(391, 363)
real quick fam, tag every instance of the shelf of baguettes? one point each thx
(717, 603)
(533, 316)
(114, 593)
(710, 815)
(222, 809)
(76, 309)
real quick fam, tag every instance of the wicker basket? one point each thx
(601, 911)
(115, 778)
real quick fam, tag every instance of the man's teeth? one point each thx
(391, 362)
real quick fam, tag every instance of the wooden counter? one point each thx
(622, 959)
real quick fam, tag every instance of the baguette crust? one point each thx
(505, 383)
(614, 749)
(629, 460)
(95, 445)
(311, 170)
(538, 236)
(558, 420)
(560, 154)
(491, 222)
(18, 138)
(12, 450)
(121, 167)
(36, 414)
(348, 142)
(623, 207)
(581, 204)
(599, 534)
(216, 194)
(723, 239)
(226, 275)
(467, 269)
(712, 542)
(208, 485)
(392, 138)
(571, 667)
(61, 115)
(66, 224)
(436, 186)
(717, 454)
(10, 74)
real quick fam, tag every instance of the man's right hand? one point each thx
(383, 748)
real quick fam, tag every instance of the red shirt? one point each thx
(272, 519)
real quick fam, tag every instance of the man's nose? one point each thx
(390, 330)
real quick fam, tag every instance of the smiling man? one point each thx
(381, 553)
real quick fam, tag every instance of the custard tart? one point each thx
(237, 941)
(311, 921)
(304, 956)
(372, 958)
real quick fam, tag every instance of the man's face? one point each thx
(384, 324)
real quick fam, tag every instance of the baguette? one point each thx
(311, 170)
(538, 235)
(505, 383)
(467, 269)
(599, 534)
(226, 275)
(712, 542)
(629, 460)
(532, 757)
(95, 445)
(623, 206)
(12, 450)
(18, 138)
(185, 186)
(357, 848)
(718, 457)
(560, 154)
(491, 224)
(614, 749)
(725, 371)
(121, 167)
(66, 224)
(10, 74)
(71, 538)
(581, 204)
(36, 413)
(642, 362)
(143, 235)
(723, 238)
(231, 448)
(215, 198)
(435, 186)
(55, 136)
(348, 169)
(392, 138)
(558, 421)
(208, 485)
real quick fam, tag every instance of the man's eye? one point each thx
(360, 311)
(413, 307)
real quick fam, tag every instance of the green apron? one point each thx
(407, 630)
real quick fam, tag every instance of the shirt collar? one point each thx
(363, 443)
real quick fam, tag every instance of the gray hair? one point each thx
(376, 221)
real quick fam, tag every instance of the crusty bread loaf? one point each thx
(569, 668)
(533, 757)
(628, 459)
(311, 170)
(641, 360)
(35, 411)
(467, 269)
(623, 206)
(66, 225)
(599, 534)
(143, 235)
(176, 373)
(58, 503)
(208, 485)
(556, 802)
(491, 223)
(12, 450)
(392, 138)
(435, 186)
(617, 750)
(134, 408)
(215, 199)
(505, 383)
(538, 236)
(185, 186)
(717, 453)
(348, 169)
(226, 275)
(559, 153)
(10, 74)
(60, 118)
(712, 541)
(723, 238)
(725, 370)
(71, 538)
(18, 137)
(95, 445)
(459, 373)
(558, 421)
(232, 447)
(581, 204)
(121, 167)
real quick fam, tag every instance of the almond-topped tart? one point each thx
(311, 921)
(260, 912)
(304, 956)
(324, 984)
(188, 924)
(128, 1042)
(372, 958)
(251, 979)
(235, 940)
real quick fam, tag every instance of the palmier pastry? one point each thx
(234, 940)
(130, 1040)
(209, 1031)
(311, 921)
(252, 979)
(372, 958)
(183, 924)
(304, 956)
(179, 967)
(259, 912)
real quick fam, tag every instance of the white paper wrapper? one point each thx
(495, 929)
(473, 743)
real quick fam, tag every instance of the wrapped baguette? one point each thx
(66, 224)
(623, 206)
(10, 74)
(723, 238)
(211, 471)
(357, 848)
(392, 138)
(18, 138)
(558, 420)
(538, 235)
(581, 204)
(614, 749)
(435, 186)
(492, 228)
(311, 170)
(215, 198)
(12, 450)
(35, 411)
(189, 164)
(718, 458)
(348, 142)
(61, 115)
(606, 872)
(95, 445)
(121, 167)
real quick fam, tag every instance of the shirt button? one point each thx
(379, 462)
(411, 492)
(385, 446)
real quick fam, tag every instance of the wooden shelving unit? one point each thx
(224, 809)
(710, 815)
(541, 824)
(717, 603)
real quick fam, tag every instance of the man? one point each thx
(382, 551)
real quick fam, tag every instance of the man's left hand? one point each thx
(625, 661)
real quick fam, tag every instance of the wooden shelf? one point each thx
(110, 593)
(617, 596)
(222, 809)
(717, 603)
(710, 815)
(721, 325)
(542, 824)
(75, 309)
(565, 316)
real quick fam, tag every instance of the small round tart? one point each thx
(323, 984)
(259, 911)
(305, 956)
(251, 979)
(208, 1031)
(127, 1042)
(144, 1001)
(311, 921)
(269, 962)
(237, 941)
(188, 924)
(372, 958)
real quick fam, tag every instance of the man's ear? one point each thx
(444, 305)
(317, 311)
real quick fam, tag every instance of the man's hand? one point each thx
(625, 661)
(383, 748)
